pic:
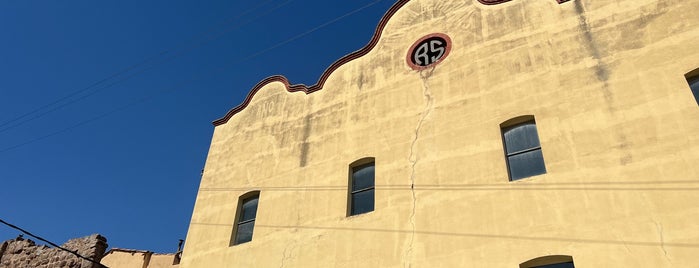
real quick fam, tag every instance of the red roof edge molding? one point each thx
(493, 2)
(319, 85)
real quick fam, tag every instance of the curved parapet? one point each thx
(318, 85)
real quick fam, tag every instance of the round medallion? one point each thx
(428, 50)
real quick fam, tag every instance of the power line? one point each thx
(215, 72)
(37, 112)
(74, 252)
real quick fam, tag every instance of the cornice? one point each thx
(324, 77)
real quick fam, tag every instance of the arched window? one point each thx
(361, 187)
(245, 218)
(693, 81)
(554, 261)
(522, 148)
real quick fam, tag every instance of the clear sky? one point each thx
(106, 106)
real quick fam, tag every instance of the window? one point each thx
(522, 148)
(245, 218)
(694, 86)
(555, 261)
(361, 190)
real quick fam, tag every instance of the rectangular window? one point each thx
(245, 223)
(694, 86)
(361, 189)
(522, 150)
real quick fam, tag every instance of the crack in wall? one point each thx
(412, 158)
(662, 240)
(285, 257)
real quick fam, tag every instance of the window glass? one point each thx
(363, 202)
(363, 177)
(249, 209)
(521, 137)
(557, 265)
(523, 150)
(526, 164)
(694, 85)
(245, 223)
(244, 233)
(361, 189)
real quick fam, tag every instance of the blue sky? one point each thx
(106, 106)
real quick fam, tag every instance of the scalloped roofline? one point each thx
(328, 71)
(324, 77)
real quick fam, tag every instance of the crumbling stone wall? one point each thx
(24, 253)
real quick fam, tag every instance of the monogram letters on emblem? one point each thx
(428, 50)
(433, 46)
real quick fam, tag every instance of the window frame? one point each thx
(512, 124)
(239, 213)
(693, 77)
(547, 260)
(350, 191)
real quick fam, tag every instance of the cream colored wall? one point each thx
(617, 122)
(129, 259)
(118, 259)
(162, 261)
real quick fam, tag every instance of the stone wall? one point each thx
(24, 253)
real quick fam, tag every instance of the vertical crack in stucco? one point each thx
(662, 240)
(286, 257)
(412, 159)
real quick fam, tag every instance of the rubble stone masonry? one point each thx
(24, 253)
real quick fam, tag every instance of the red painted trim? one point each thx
(410, 51)
(493, 2)
(319, 85)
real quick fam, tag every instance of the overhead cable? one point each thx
(167, 90)
(91, 90)
(74, 252)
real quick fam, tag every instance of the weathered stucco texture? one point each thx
(617, 122)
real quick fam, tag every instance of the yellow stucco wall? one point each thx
(618, 125)
(120, 258)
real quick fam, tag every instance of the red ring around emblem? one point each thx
(447, 48)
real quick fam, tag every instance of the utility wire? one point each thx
(167, 90)
(37, 112)
(74, 252)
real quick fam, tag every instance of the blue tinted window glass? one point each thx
(244, 232)
(694, 85)
(249, 209)
(521, 137)
(363, 177)
(557, 265)
(362, 202)
(526, 164)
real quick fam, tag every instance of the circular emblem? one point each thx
(428, 50)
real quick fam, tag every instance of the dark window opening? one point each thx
(523, 150)
(694, 86)
(554, 261)
(361, 196)
(557, 265)
(245, 219)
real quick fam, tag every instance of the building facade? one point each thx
(470, 133)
